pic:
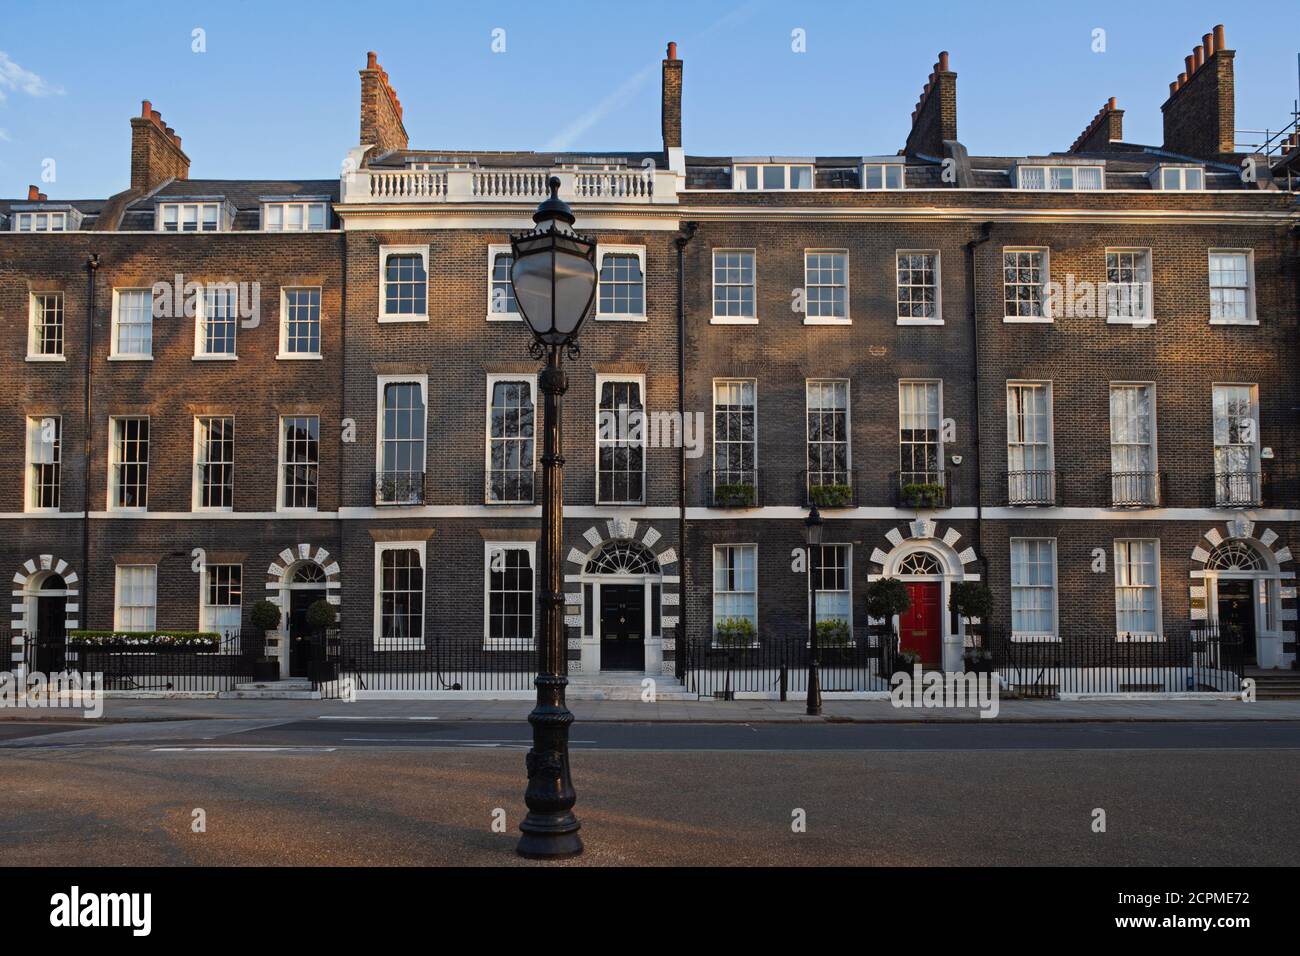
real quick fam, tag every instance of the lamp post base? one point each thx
(814, 708)
(549, 840)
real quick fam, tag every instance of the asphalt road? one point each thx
(427, 793)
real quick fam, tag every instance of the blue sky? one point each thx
(276, 92)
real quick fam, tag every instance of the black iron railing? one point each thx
(438, 663)
(1137, 489)
(511, 486)
(732, 487)
(183, 669)
(779, 665)
(833, 488)
(923, 489)
(1031, 488)
(399, 487)
(1241, 489)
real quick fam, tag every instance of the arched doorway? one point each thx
(1240, 595)
(920, 627)
(622, 621)
(50, 637)
(302, 575)
(306, 584)
(43, 587)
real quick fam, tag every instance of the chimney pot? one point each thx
(1173, 87)
(672, 49)
(1207, 41)
(1189, 65)
(943, 61)
(1110, 104)
(1182, 80)
(1199, 53)
(42, 197)
(1220, 38)
(33, 194)
(155, 116)
(372, 60)
(145, 108)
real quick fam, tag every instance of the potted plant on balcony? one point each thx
(886, 599)
(735, 494)
(735, 632)
(922, 494)
(971, 601)
(265, 617)
(831, 496)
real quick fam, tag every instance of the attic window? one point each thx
(1063, 178)
(189, 217)
(40, 222)
(293, 216)
(1181, 178)
(771, 176)
(882, 176)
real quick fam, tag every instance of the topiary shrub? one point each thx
(320, 615)
(887, 597)
(970, 599)
(265, 616)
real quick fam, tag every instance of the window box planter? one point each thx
(918, 495)
(734, 495)
(735, 632)
(831, 496)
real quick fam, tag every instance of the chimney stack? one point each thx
(671, 113)
(935, 117)
(156, 154)
(33, 194)
(1200, 111)
(1106, 127)
(381, 110)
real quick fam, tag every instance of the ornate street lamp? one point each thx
(812, 535)
(554, 279)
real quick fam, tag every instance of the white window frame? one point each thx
(847, 318)
(111, 498)
(117, 596)
(1046, 386)
(737, 180)
(284, 354)
(33, 340)
(1255, 466)
(196, 486)
(113, 354)
(204, 606)
(940, 453)
(201, 318)
(1035, 636)
(1252, 317)
(603, 250)
(713, 453)
(848, 429)
(601, 379)
(281, 490)
(306, 206)
(378, 642)
(938, 287)
(1046, 318)
(380, 382)
(1139, 636)
(34, 425)
(716, 319)
(714, 592)
(160, 216)
(29, 221)
(493, 379)
(397, 317)
(493, 643)
(1158, 178)
(884, 177)
(1148, 317)
(1055, 168)
(848, 581)
(1155, 433)
(494, 250)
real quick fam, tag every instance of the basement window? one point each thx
(771, 176)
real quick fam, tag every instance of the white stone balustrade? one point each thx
(525, 186)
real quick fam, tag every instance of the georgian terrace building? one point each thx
(1071, 375)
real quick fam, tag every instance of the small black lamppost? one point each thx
(554, 280)
(812, 535)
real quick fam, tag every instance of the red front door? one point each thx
(919, 629)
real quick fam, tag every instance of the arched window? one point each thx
(1234, 556)
(309, 573)
(920, 562)
(53, 582)
(623, 557)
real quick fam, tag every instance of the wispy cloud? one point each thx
(14, 78)
(4, 135)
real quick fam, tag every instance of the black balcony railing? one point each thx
(923, 489)
(834, 488)
(1031, 488)
(732, 487)
(1137, 489)
(1241, 489)
(399, 487)
(511, 486)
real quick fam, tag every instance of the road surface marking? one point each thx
(241, 750)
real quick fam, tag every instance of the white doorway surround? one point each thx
(303, 568)
(1243, 555)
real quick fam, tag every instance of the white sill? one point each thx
(1027, 320)
(623, 504)
(47, 358)
(296, 511)
(1131, 638)
(299, 357)
(824, 320)
(504, 317)
(130, 358)
(619, 317)
(733, 320)
(1035, 639)
(194, 509)
(41, 511)
(1234, 321)
(400, 319)
(215, 358)
(128, 511)
(1136, 323)
(920, 322)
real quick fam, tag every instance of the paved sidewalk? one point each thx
(743, 711)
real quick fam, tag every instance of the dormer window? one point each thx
(1178, 178)
(293, 216)
(40, 222)
(1063, 178)
(772, 176)
(189, 217)
(882, 175)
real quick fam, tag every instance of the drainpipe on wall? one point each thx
(92, 267)
(986, 232)
(680, 242)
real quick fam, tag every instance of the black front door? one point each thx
(300, 641)
(51, 621)
(622, 627)
(1237, 615)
